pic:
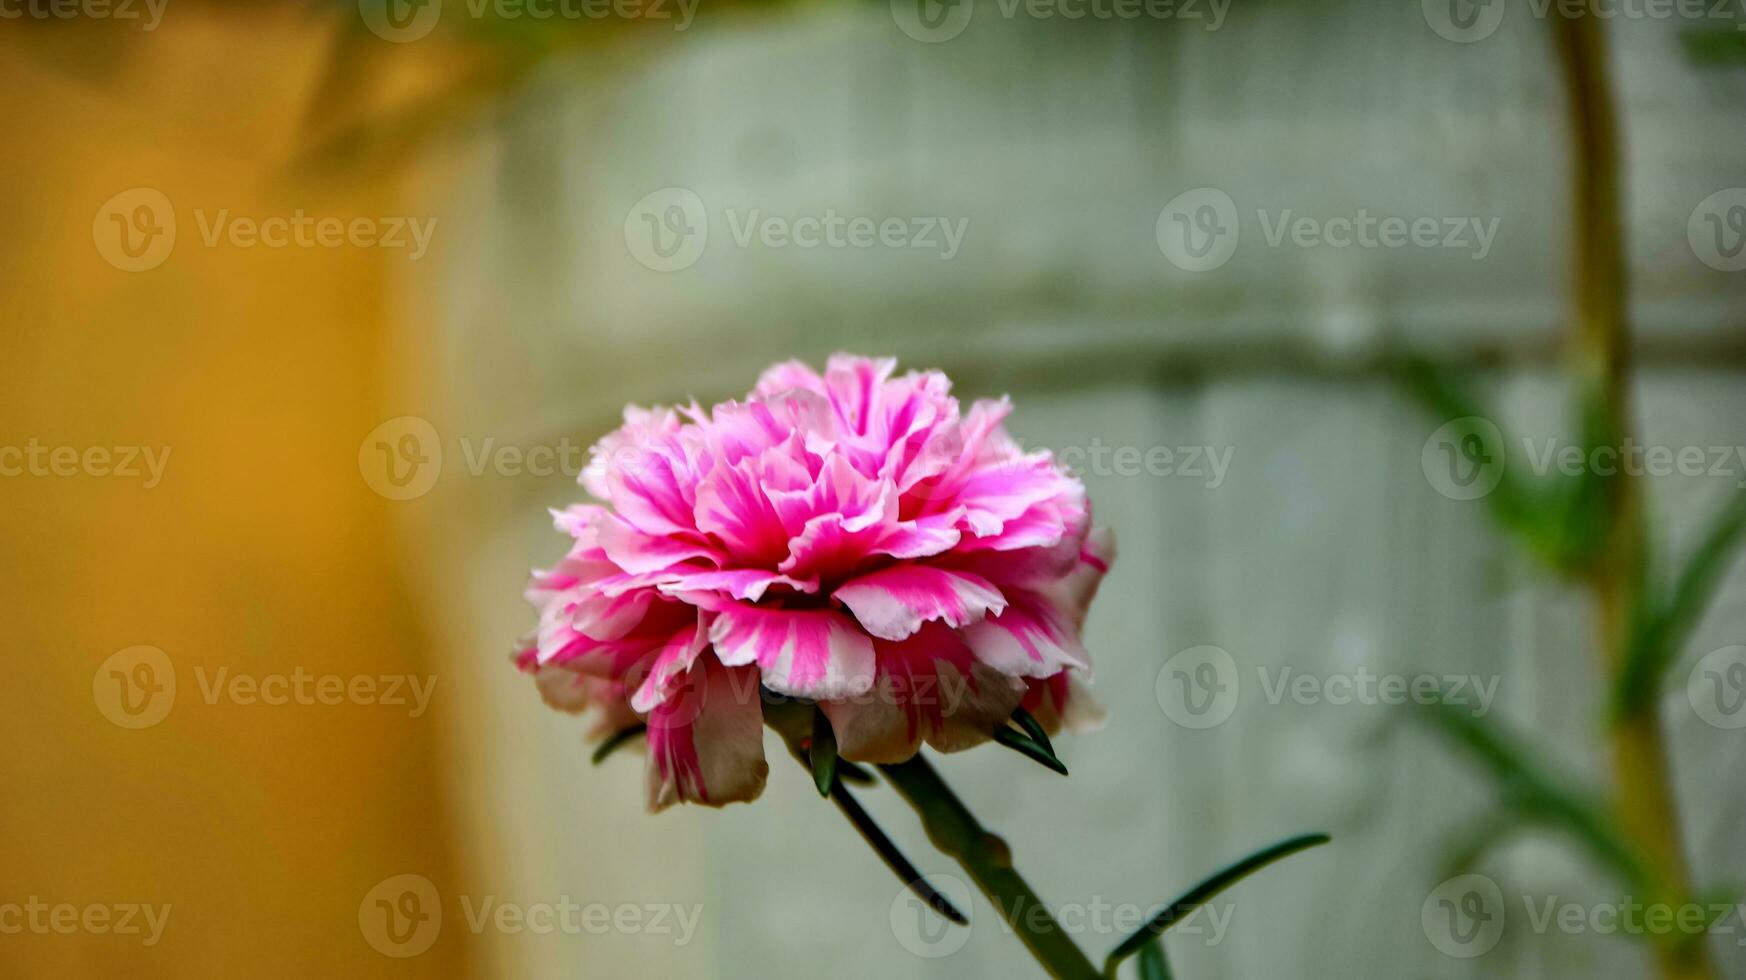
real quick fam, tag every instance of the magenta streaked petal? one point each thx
(894, 602)
(929, 689)
(809, 653)
(1031, 638)
(637, 552)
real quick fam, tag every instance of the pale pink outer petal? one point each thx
(894, 602)
(1031, 638)
(1074, 591)
(930, 688)
(809, 653)
(706, 742)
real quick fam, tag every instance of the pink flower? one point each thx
(850, 539)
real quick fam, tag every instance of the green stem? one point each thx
(956, 832)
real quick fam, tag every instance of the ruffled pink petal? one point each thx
(894, 602)
(732, 506)
(637, 552)
(706, 741)
(735, 583)
(666, 667)
(930, 688)
(1031, 638)
(809, 653)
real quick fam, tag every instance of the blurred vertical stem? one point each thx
(955, 831)
(1600, 348)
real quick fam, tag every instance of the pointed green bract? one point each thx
(822, 753)
(1033, 728)
(1024, 745)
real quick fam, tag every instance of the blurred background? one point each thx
(311, 309)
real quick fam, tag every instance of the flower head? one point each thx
(850, 538)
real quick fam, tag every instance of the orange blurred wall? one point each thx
(260, 551)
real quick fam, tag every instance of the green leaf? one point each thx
(1200, 894)
(1664, 629)
(1024, 745)
(617, 740)
(1527, 788)
(1153, 964)
(822, 753)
